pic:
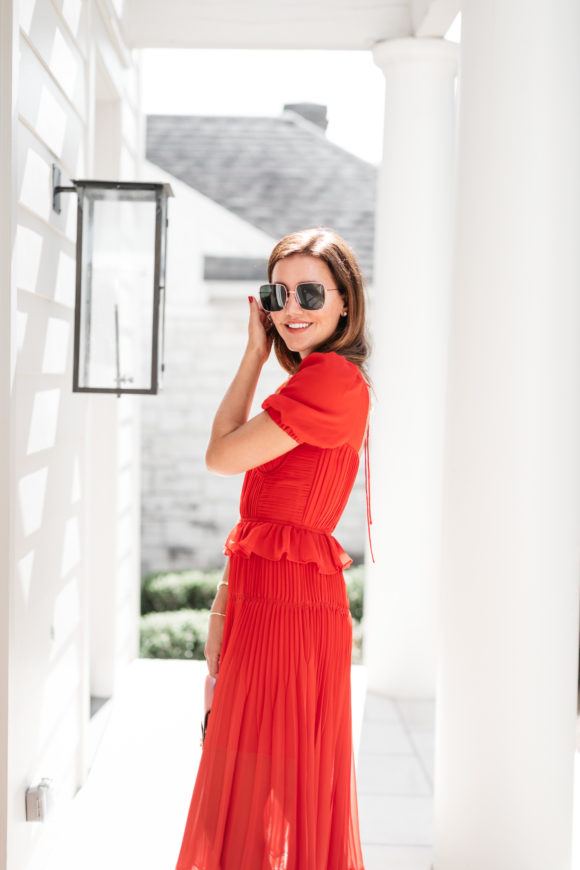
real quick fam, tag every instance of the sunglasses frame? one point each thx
(297, 295)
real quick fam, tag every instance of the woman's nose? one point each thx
(291, 303)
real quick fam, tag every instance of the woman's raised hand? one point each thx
(260, 330)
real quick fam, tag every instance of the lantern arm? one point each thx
(58, 188)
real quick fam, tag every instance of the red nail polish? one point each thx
(250, 298)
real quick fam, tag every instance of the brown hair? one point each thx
(350, 338)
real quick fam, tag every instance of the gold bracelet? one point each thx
(216, 613)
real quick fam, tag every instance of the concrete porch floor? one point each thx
(131, 811)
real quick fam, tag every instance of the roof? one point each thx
(235, 268)
(280, 174)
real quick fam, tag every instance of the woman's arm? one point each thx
(213, 644)
(221, 597)
(236, 443)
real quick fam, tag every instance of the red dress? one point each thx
(275, 788)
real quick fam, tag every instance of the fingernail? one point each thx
(250, 299)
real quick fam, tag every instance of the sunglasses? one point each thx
(310, 295)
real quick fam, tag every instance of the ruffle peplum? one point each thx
(300, 544)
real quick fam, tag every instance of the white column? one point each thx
(507, 683)
(410, 331)
(114, 576)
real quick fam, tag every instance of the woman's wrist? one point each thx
(220, 602)
(221, 598)
(255, 356)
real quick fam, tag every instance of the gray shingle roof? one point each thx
(235, 269)
(279, 174)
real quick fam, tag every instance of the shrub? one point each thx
(175, 612)
(194, 590)
(354, 578)
(174, 635)
(357, 642)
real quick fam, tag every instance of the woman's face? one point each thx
(304, 330)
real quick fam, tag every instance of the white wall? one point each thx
(47, 554)
(8, 84)
(186, 511)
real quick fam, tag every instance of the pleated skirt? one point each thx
(275, 787)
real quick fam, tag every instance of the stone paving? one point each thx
(131, 811)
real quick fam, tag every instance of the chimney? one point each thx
(313, 112)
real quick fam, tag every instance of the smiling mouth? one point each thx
(296, 326)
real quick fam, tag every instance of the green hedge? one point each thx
(175, 612)
(179, 634)
(355, 588)
(194, 590)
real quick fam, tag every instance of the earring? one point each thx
(344, 313)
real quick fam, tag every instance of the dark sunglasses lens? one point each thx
(273, 296)
(310, 295)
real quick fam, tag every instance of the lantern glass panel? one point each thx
(117, 288)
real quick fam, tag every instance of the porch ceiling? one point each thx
(316, 24)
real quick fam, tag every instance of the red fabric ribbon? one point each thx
(368, 490)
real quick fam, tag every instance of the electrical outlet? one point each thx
(39, 800)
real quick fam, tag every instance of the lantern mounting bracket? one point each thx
(58, 188)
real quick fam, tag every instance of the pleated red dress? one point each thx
(275, 788)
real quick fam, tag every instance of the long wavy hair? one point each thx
(350, 339)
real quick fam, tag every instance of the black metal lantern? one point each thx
(120, 285)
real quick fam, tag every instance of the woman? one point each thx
(276, 782)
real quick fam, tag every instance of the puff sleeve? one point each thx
(324, 404)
